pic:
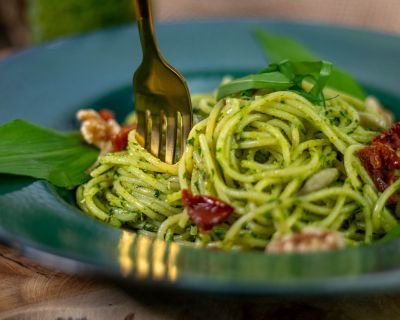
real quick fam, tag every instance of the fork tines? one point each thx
(164, 134)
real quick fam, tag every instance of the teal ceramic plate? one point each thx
(48, 84)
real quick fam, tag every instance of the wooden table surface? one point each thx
(31, 291)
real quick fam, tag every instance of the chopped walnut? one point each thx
(97, 129)
(310, 239)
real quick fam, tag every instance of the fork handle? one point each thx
(144, 19)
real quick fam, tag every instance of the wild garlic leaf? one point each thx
(272, 80)
(316, 72)
(343, 82)
(286, 75)
(29, 150)
(278, 48)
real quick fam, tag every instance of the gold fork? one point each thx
(162, 99)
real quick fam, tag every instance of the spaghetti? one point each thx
(282, 162)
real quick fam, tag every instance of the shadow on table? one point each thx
(192, 306)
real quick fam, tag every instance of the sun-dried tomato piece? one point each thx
(381, 161)
(206, 211)
(106, 114)
(120, 140)
(390, 138)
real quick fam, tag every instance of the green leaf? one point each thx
(273, 80)
(278, 48)
(286, 75)
(316, 72)
(29, 150)
(343, 82)
(392, 234)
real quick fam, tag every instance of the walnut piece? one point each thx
(310, 239)
(97, 131)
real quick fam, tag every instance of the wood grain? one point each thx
(23, 282)
(30, 291)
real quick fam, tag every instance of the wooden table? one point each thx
(31, 291)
